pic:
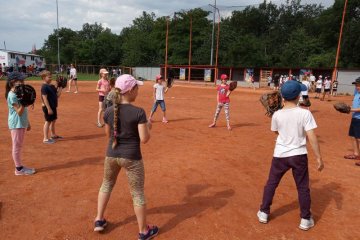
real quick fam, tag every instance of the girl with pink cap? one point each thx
(103, 88)
(223, 100)
(159, 92)
(126, 127)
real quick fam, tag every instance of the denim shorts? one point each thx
(161, 103)
(354, 130)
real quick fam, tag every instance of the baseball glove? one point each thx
(169, 82)
(342, 107)
(61, 81)
(272, 102)
(25, 94)
(232, 85)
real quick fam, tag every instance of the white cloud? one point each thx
(24, 22)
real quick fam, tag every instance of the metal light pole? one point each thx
(339, 43)
(58, 41)
(217, 43)
(166, 46)
(212, 37)
(190, 48)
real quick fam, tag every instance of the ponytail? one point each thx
(116, 101)
(8, 86)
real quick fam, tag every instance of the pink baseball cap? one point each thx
(126, 82)
(158, 77)
(223, 77)
(103, 71)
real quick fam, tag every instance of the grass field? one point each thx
(81, 77)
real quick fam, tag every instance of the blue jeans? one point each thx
(161, 103)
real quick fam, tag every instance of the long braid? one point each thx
(117, 100)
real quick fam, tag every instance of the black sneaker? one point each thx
(151, 232)
(100, 225)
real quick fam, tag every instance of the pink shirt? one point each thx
(222, 91)
(104, 85)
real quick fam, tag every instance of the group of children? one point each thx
(326, 84)
(18, 120)
(126, 123)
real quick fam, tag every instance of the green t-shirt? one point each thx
(14, 120)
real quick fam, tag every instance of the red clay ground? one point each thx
(201, 183)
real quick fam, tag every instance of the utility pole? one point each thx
(339, 43)
(58, 41)
(166, 46)
(212, 36)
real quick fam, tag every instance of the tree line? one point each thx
(287, 35)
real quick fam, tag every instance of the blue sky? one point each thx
(24, 23)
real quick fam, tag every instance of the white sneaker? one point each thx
(25, 171)
(306, 224)
(263, 217)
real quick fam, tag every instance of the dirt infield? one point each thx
(201, 183)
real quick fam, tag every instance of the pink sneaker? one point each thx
(229, 127)
(165, 120)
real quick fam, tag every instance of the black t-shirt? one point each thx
(128, 138)
(51, 92)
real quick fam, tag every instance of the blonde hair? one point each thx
(43, 74)
(112, 82)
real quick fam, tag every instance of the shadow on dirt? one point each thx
(182, 119)
(239, 125)
(190, 207)
(84, 137)
(321, 198)
(73, 164)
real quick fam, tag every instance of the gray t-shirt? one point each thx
(129, 117)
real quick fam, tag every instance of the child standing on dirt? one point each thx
(49, 97)
(327, 88)
(318, 87)
(223, 100)
(159, 92)
(18, 122)
(354, 130)
(126, 126)
(292, 124)
(73, 78)
(103, 88)
(334, 87)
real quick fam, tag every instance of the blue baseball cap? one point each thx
(291, 89)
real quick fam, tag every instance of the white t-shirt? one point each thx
(73, 72)
(159, 95)
(291, 124)
(312, 78)
(327, 84)
(307, 84)
(319, 83)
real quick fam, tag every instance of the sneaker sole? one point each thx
(261, 220)
(151, 237)
(24, 174)
(100, 229)
(305, 229)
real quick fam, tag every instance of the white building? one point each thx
(13, 58)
